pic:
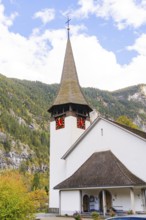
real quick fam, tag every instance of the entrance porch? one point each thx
(120, 200)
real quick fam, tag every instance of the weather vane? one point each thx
(67, 22)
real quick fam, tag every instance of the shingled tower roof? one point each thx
(70, 91)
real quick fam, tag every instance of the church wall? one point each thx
(129, 149)
(70, 202)
(122, 199)
(60, 141)
(139, 200)
(81, 153)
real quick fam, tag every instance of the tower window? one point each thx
(81, 122)
(60, 123)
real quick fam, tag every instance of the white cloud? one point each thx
(5, 20)
(98, 67)
(75, 30)
(32, 58)
(40, 57)
(124, 13)
(139, 45)
(86, 7)
(46, 15)
(95, 65)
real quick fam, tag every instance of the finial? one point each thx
(68, 28)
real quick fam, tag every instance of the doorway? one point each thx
(85, 203)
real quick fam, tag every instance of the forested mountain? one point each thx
(24, 120)
(130, 101)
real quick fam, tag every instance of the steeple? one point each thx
(69, 119)
(70, 96)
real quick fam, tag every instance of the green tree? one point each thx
(126, 121)
(36, 182)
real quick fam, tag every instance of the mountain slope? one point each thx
(24, 120)
(129, 101)
(24, 125)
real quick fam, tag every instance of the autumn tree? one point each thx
(40, 198)
(15, 201)
(126, 121)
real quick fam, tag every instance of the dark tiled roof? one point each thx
(69, 91)
(133, 130)
(102, 169)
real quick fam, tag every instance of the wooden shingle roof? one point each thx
(69, 91)
(102, 169)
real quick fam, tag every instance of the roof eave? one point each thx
(102, 187)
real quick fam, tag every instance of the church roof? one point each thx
(69, 91)
(102, 169)
(135, 131)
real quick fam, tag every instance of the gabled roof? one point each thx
(69, 91)
(102, 169)
(135, 132)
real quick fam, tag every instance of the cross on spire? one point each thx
(67, 22)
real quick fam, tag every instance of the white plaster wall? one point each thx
(60, 141)
(70, 202)
(139, 206)
(129, 149)
(121, 199)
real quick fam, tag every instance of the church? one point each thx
(95, 163)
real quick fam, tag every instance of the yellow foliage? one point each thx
(126, 121)
(15, 202)
(39, 197)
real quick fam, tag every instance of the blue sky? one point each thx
(108, 39)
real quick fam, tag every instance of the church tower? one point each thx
(69, 119)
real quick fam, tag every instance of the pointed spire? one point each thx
(70, 91)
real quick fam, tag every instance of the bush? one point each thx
(40, 199)
(77, 216)
(95, 215)
(130, 212)
(112, 213)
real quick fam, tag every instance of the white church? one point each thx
(94, 164)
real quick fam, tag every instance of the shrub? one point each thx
(40, 199)
(77, 216)
(130, 212)
(95, 215)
